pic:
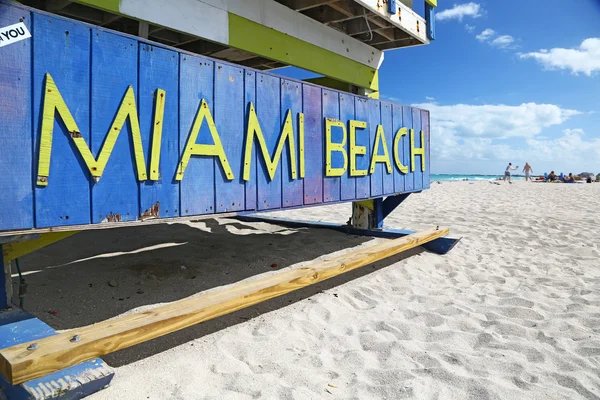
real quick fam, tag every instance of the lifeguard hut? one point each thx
(116, 113)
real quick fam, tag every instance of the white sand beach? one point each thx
(512, 312)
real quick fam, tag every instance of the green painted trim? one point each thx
(267, 42)
(106, 5)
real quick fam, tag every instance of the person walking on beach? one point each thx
(509, 168)
(528, 170)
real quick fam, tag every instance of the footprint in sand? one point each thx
(360, 301)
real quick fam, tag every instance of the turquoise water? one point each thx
(460, 177)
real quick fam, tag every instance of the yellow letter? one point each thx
(385, 157)
(355, 149)
(192, 148)
(331, 147)
(159, 112)
(401, 132)
(53, 101)
(287, 132)
(417, 151)
(301, 144)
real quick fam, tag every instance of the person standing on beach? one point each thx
(509, 168)
(527, 169)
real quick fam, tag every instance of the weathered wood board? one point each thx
(98, 126)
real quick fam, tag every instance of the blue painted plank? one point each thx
(16, 203)
(418, 172)
(269, 116)
(408, 123)
(363, 183)
(197, 188)
(159, 68)
(347, 182)
(313, 144)
(398, 123)
(16, 327)
(374, 121)
(62, 49)
(291, 99)
(251, 189)
(331, 109)
(425, 127)
(229, 119)
(386, 122)
(117, 191)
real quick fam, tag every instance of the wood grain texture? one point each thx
(291, 99)
(407, 119)
(269, 116)
(18, 364)
(65, 201)
(418, 172)
(313, 131)
(427, 144)
(229, 119)
(197, 188)
(386, 122)
(331, 109)
(159, 68)
(398, 124)
(16, 203)
(347, 182)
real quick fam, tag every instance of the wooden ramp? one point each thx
(31, 360)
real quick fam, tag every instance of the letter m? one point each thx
(54, 102)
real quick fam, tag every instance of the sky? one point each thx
(505, 81)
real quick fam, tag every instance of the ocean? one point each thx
(461, 177)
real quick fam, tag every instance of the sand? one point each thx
(512, 312)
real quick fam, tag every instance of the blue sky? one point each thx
(506, 81)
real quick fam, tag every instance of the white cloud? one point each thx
(504, 42)
(496, 121)
(584, 59)
(482, 138)
(486, 35)
(459, 11)
(429, 98)
(470, 28)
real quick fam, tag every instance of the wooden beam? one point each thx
(18, 364)
(352, 9)
(56, 5)
(301, 5)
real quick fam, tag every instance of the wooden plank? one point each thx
(408, 123)
(363, 183)
(313, 131)
(18, 364)
(269, 114)
(398, 123)
(16, 202)
(386, 122)
(197, 188)
(418, 172)
(159, 69)
(117, 192)
(331, 109)
(291, 99)
(347, 182)
(62, 48)
(229, 119)
(425, 127)
(251, 189)
(374, 121)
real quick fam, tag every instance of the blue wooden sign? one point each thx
(98, 126)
